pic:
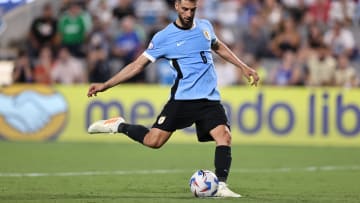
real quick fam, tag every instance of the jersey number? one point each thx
(203, 57)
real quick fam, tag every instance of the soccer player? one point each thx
(187, 44)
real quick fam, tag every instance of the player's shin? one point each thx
(222, 162)
(135, 132)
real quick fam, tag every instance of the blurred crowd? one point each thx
(289, 42)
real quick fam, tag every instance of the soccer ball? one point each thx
(204, 183)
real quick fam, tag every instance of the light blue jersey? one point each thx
(189, 54)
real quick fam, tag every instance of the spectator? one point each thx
(171, 3)
(225, 34)
(315, 37)
(247, 10)
(321, 67)
(22, 72)
(102, 12)
(43, 31)
(64, 5)
(320, 11)
(227, 12)
(357, 14)
(84, 6)
(99, 38)
(98, 52)
(122, 9)
(147, 34)
(227, 73)
(272, 13)
(255, 37)
(345, 74)
(68, 69)
(304, 26)
(72, 29)
(151, 12)
(85, 14)
(312, 39)
(206, 9)
(127, 45)
(92, 4)
(252, 28)
(288, 72)
(340, 40)
(287, 38)
(99, 69)
(342, 10)
(43, 68)
(297, 8)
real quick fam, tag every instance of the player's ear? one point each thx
(177, 5)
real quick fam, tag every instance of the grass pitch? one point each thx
(129, 172)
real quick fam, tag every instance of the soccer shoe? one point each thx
(224, 191)
(106, 126)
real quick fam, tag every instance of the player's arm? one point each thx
(126, 73)
(222, 50)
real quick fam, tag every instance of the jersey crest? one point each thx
(207, 35)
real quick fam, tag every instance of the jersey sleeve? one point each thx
(212, 33)
(156, 48)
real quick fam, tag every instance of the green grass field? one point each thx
(129, 172)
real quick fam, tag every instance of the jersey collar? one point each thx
(181, 28)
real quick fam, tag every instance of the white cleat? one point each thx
(224, 191)
(106, 126)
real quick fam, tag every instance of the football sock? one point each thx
(135, 132)
(222, 162)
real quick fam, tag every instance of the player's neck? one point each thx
(179, 25)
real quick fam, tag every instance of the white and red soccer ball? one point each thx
(204, 183)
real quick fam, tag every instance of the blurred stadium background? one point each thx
(296, 136)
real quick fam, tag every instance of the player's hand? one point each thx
(95, 88)
(252, 76)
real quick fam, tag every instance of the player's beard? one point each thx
(186, 23)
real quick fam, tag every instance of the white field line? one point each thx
(175, 171)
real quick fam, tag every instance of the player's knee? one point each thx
(227, 138)
(153, 141)
(221, 135)
(224, 138)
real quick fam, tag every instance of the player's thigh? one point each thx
(212, 117)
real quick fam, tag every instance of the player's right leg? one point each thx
(153, 138)
(222, 137)
(213, 124)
